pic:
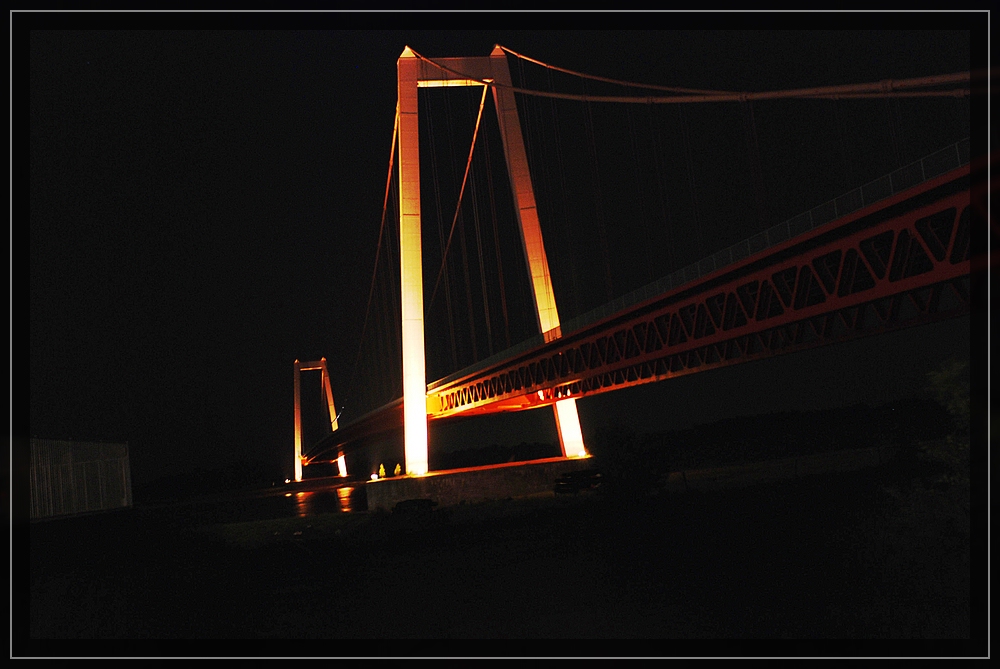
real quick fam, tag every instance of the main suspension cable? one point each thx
(671, 89)
(886, 88)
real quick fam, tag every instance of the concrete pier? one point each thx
(473, 484)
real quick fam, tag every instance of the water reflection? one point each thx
(257, 506)
(303, 505)
(312, 502)
(344, 495)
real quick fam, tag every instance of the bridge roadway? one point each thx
(901, 261)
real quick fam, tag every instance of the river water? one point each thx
(295, 500)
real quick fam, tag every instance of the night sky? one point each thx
(203, 209)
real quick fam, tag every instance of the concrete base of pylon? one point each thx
(473, 484)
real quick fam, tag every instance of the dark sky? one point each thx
(204, 207)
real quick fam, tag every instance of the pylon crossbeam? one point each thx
(414, 73)
(300, 458)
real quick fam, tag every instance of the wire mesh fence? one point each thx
(75, 477)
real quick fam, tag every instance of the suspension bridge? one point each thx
(894, 252)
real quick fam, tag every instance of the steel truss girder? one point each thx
(896, 264)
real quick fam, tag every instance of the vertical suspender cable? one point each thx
(482, 266)
(496, 241)
(664, 198)
(690, 166)
(463, 246)
(598, 203)
(396, 310)
(753, 163)
(893, 134)
(561, 170)
(638, 180)
(899, 131)
(441, 244)
(458, 206)
(378, 247)
(849, 178)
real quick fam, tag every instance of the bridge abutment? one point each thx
(479, 484)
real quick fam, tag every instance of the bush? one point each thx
(950, 386)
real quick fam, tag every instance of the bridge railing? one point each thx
(937, 163)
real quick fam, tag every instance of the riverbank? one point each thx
(815, 558)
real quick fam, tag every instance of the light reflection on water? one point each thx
(299, 504)
(303, 507)
(312, 502)
(344, 494)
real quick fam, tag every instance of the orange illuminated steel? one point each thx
(903, 261)
(415, 72)
(325, 381)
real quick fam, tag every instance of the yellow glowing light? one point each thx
(411, 269)
(288, 494)
(567, 420)
(568, 424)
(415, 400)
(300, 459)
(344, 497)
(441, 83)
(288, 480)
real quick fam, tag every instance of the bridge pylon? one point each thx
(415, 72)
(328, 392)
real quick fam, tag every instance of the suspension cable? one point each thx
(685, 133)
(396, 309)
(440, 230)
(464, 256)
(671, 89)
(378, 245)
(496, 240)
(664, 198)
(482, 268)
(838, 112)
(598, 200)
(643, 214)
(886, 88)
(563, 190)
(458, 206)
(753, 161)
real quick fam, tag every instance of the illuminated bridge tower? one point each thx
(415, 72)
(331, 408)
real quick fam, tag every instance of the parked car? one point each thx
(573, 482)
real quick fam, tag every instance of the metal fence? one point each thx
(73, 477)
